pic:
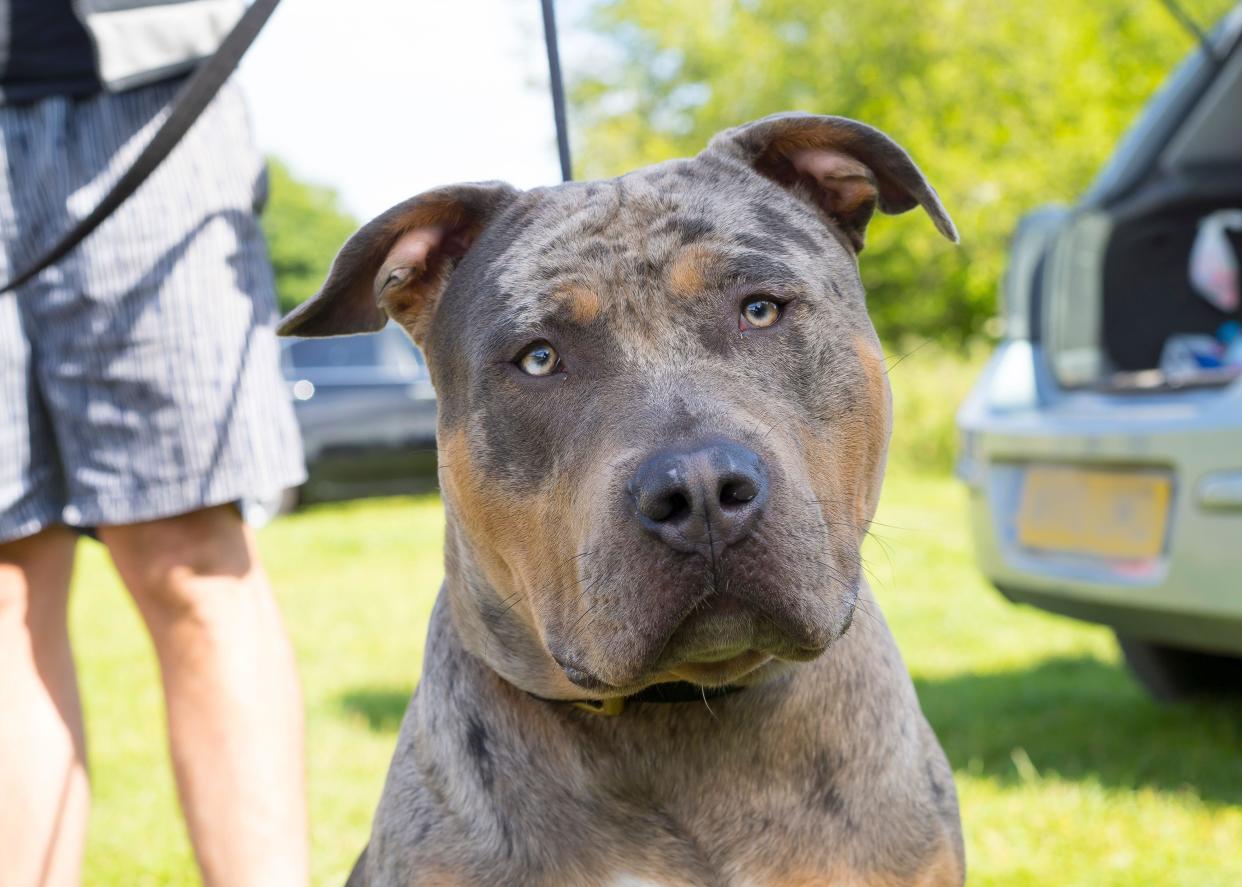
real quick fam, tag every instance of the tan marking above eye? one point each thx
(759, 313)
(581, 302)
(687, 276)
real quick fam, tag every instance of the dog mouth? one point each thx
(721, 672)
(649, 615)
(722, 641)
(717, 644)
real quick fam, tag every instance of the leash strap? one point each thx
(194, 97)
(558, 90)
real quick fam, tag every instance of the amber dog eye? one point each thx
(539, 359)
(759, 313)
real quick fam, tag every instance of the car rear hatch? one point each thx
(1119, 310)
(1102, 485)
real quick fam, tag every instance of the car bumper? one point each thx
(1190, 592)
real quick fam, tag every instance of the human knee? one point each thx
(14, 588)
(34, 574)
(170, 564)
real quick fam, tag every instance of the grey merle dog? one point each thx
(663, 423)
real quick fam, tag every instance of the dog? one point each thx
(663, 423)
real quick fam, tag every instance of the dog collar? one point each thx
(673, 691)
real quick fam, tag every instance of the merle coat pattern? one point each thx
(822, 770)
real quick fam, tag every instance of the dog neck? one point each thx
(487, 685)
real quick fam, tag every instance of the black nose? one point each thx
(708, 495)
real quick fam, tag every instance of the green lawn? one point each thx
(1067, 774)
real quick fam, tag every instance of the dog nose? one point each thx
(709, 494)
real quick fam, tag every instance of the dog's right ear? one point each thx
(398, 263)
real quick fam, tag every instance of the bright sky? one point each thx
(382, 99)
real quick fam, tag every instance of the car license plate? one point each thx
(1113, 514)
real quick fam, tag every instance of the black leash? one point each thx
(194, 97)
(558, 90)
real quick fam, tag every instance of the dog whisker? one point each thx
(570, 634)
(902, 358)
(554, 582)
(706, 706)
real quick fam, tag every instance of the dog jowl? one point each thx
(663, 418)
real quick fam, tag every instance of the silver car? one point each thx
(1105, 473)
(367, 413)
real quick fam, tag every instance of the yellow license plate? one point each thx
(1110, 514)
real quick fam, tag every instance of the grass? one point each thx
(1068, 775)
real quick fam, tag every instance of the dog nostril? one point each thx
(738, 492)
(670, 507)
(710, 493)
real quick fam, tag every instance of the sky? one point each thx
(381, 99)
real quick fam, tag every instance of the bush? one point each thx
(929, 383)
(1006, 106)
(305, 226)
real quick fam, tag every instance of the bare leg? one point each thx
(231, 689)
(44, 793)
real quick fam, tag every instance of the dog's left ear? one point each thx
(844, 167)
(398, 263)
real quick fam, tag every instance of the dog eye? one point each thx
(539, 359)
(759, 313)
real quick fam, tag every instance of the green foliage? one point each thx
(928, 382)
(1005, 105)
(305, 226)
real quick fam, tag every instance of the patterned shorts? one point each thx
(139, 377)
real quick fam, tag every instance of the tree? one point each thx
(1005, 105)
(305, 226)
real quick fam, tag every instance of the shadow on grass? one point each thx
(381, 707)
(1081, 718)
(1078, 718)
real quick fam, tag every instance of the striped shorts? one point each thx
(139, 377)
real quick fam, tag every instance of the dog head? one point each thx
(663, 412)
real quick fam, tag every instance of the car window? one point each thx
(398, 353)
(341, 351)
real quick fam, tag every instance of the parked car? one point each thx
(1105, 473)
(367, 413)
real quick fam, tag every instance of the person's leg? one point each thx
(231, 689)
(44, 793)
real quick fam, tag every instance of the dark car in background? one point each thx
(1102, 446)
(367, 413)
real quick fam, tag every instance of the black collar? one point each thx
(673, 691)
